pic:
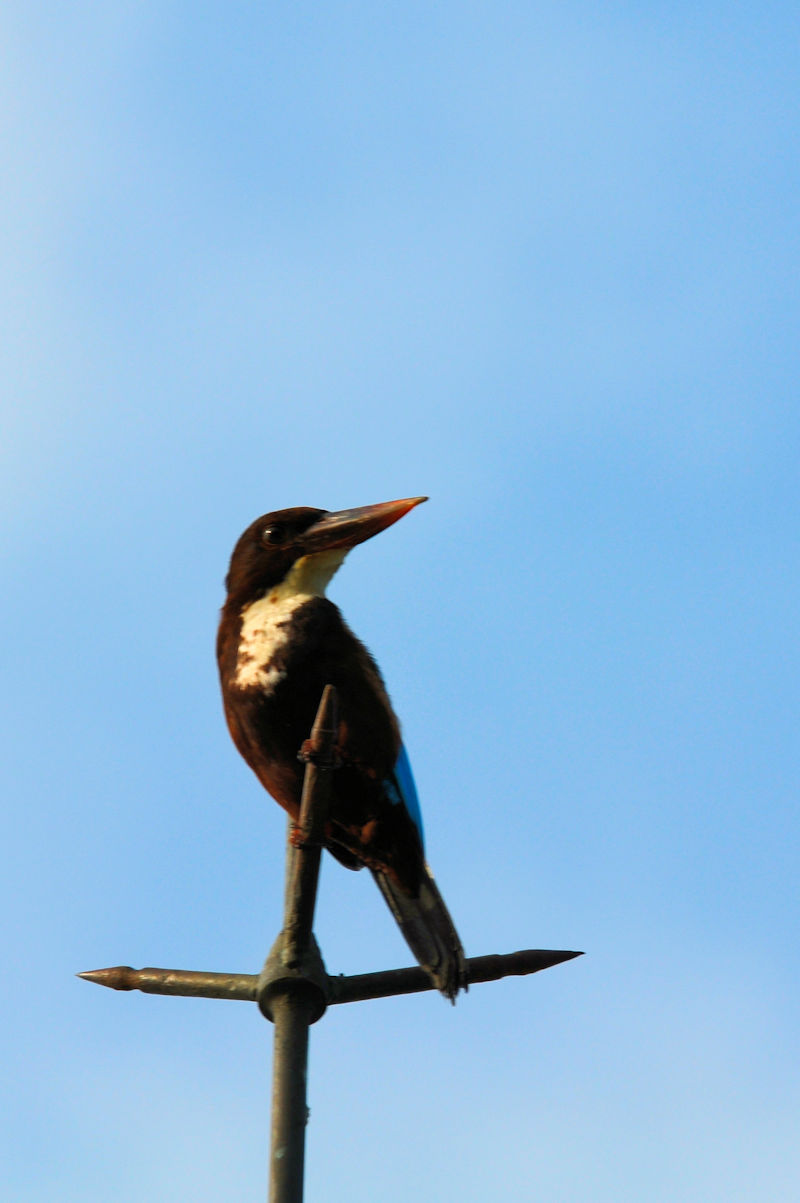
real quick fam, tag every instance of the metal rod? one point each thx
(186, 982)
(287, 993)
(491, 968)
(303, 867)
(291, 1017)
(354, 988)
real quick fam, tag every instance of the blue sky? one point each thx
(540, 263)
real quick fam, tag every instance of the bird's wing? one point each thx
(422, 916)
(402, 791)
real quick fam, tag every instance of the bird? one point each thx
(280, 642)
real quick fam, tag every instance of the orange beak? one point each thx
(347, 528)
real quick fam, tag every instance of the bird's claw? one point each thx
(296, 836)
(299, 838)
(309, 755)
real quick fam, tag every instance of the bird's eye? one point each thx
(273, 536)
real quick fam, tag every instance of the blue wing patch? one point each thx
(401, 791)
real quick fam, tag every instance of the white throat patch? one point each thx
(266, 623)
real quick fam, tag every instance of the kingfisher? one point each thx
(280, 642)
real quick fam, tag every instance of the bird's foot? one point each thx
(300, 838)
(296, 836)
(309, 755)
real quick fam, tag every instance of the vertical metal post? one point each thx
(293, 987)
(291, 1017)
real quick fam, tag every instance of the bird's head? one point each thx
(303, 545)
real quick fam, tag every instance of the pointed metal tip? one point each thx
(118, 977)
(559, 957)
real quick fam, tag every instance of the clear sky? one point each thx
(540, 262)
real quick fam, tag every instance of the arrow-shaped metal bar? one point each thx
(355, 988)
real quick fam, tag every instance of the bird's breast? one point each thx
(274, 664)
(264, 638)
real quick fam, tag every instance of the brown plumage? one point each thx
(280, 642)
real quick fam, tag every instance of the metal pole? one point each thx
(291, 1017)
(293, 986)
(293, 989)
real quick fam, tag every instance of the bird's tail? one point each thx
(429, 931)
